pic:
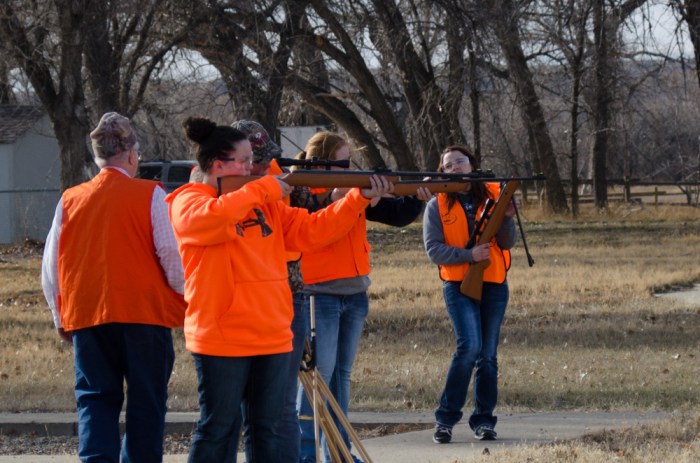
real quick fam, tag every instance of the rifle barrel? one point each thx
(314, 162)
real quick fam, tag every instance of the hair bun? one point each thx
(198, 129)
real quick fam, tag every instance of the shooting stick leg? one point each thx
(334, 440)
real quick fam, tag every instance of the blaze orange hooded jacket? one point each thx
(233, 252)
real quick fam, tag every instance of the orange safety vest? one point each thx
(456, 230)
(348, 257)
(108, 269)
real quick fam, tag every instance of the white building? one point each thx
(293, 139)
(29, 174)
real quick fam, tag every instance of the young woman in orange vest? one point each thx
(239, 313)
(447, 223)
(338, 277)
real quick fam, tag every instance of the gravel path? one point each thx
(68, 445)
(29, 444)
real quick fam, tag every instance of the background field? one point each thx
(583, 328)
(584, 331)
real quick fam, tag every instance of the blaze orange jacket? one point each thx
(108, 269)
(456, 230)
(344, 258)
(233, 251)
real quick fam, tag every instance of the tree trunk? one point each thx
(353, 62)
(531, 111)
(335, 110)
(475, 99)
(573, 140)
(76, 159)
(6, 94)
(603, 96)
(102, 71)
(691, 13)
(60, 92)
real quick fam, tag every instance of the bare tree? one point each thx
(434, 103)
(46, 40)
(504, 17)
(606, 23)
(7, 95)
(120, 44)
(363, 95)
(126, 43)
(565, 24)
(250, 46)
(690, 12)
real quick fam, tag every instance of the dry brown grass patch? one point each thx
(583, 330)
(673, 440)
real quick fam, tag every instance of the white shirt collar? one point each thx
(119, 169)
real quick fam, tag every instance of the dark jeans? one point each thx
(477, 328)
(106, 355)
(227, 384)
(288, 428)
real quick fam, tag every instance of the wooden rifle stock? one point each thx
(474, 279)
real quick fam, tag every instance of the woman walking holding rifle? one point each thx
(448, 223)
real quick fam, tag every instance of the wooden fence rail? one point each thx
(633, 190)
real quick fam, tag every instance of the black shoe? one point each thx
(442, 435)
(485, 432)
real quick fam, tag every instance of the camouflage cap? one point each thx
(264, 149)
(113, 135)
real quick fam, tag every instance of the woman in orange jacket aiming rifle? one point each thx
(239, 312)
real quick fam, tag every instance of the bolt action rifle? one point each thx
(405, 183)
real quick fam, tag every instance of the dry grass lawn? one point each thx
(583, 329)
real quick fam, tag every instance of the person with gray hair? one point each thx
(113, 279)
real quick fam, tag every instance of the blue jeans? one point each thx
(477, 328)
(227, 384)
(339, 322)
(288, 427)
(104, 356)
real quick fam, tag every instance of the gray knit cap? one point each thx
(264, 149)
(113, 135)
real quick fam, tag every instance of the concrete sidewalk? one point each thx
(412, 447)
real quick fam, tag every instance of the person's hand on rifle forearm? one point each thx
(510, 211)
(480, 252)
(424, 194)
(380, 187)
